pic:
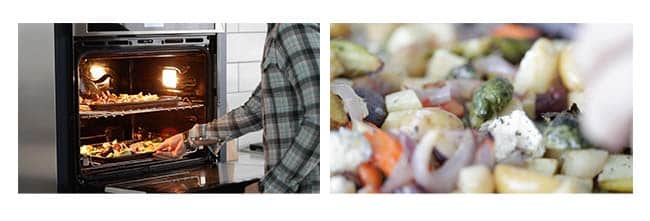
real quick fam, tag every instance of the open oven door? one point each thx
(204, 179)
(158, 175)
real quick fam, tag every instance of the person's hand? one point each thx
(603, 55)
(172, 147)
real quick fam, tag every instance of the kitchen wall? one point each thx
(245, 46)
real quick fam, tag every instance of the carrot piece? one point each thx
(454, 107)
(426, 103)
(369, 175)
(515, 31)
(386, 150)
(348, 125)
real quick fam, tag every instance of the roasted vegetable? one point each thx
(516, 31)
(402, 100)
(583, 163)
(353, 105)
(538, 68)
(415, 122)
(375, 104)
(464, 72)
(338, 117)
(369, 175)
(570, 184)
(475, 179)
(336, 68)
(617, 174)
(377, 34)
(563, 132)
(338, 30)
(412, 59)
(441, 63)
(454, 107)
(568, 70)
(544, 166)
(489, 99)
(473, 48)
(512, 49)
(432, 35)
(554, 100)
(510, 179)
(386, 150)
(355, 58)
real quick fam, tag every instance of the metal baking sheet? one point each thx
(133, 156)
(164, 101)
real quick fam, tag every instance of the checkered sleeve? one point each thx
(244, 119)
(301, 42)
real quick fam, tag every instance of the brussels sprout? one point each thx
(489, 99)
(512, 49)
(563, 131)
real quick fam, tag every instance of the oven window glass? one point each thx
(138, 100)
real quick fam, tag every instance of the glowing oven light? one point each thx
(169, 77)
(97, 71)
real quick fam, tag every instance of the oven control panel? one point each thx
(114, 29)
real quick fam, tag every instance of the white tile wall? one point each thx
(249, 80)
(232, 85)
(237, 99)
(252, 27)
(245, 46)
(245, 42)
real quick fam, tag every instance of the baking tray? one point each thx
(134, 156)
(163, 101)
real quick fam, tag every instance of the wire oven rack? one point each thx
(109, 114)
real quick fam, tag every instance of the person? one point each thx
(285, 105)
(603, 55)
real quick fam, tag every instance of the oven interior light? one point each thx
(169, 77)
(97, 71)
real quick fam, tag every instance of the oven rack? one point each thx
(109, 114)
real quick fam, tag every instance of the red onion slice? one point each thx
(444, 178)
(435, 96)
(463, 89)
(352, 103)
(485, 153)
(496, 65)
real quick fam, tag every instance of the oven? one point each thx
(123, 88)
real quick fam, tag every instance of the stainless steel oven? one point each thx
(148, 82)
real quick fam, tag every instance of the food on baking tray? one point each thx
(110, 98)
(119, 149)
(418, 108)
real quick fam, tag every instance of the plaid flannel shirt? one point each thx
(286, 105)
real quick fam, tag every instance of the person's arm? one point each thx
(242, 120)
(302, 46)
